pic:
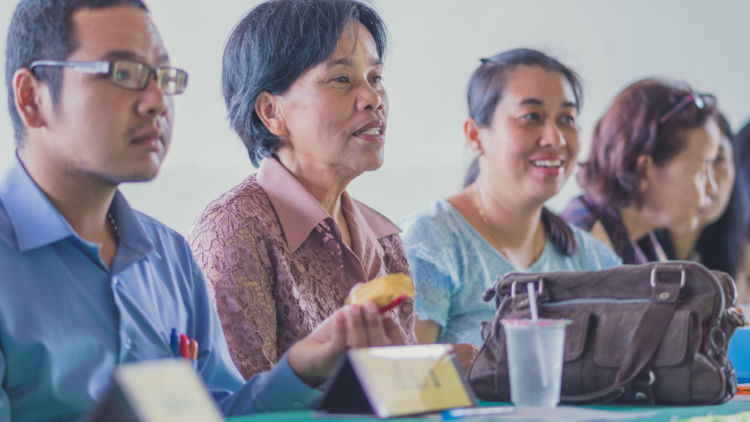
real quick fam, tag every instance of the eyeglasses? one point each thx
(128, 74)
(699, 99)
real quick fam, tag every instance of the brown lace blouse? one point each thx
(277, 265)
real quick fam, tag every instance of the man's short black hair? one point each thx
(43, 30)
(272, 46)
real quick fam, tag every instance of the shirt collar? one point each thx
(299, 213)
(134, 243)
(36, 222)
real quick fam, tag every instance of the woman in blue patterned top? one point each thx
(522, 125)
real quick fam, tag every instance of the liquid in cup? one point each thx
(535, 358)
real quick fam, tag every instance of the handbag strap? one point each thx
(651, 327)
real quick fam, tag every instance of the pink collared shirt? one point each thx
(278, 267)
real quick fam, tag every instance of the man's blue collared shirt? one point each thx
(67, 319)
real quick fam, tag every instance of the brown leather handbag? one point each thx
(640, 334)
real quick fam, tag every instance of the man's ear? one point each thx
(28, 98)
(645, 170)
(267, 107)
(471, 130)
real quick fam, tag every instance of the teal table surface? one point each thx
(658, 413)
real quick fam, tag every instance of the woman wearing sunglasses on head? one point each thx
(522, 125)
(650, 166)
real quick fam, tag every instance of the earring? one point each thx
(475, 147)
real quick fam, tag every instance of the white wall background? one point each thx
(435, 45)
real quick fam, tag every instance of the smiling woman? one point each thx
(522, 125)
(302, 82)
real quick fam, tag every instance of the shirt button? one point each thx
(297, 404)
(115, 280)
(128, 343)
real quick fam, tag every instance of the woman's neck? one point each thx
(513, 229)
(637, 222)
(324, 184)
(684, 243)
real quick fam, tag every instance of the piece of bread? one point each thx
(386, 292)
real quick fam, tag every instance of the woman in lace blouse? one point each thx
(302, 82)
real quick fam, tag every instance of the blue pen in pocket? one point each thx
(174, 342)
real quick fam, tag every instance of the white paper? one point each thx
(569, 413)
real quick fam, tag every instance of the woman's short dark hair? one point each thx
(43, 30)
(631, 128)
(486, 88)
(487, 83)
(272, 46)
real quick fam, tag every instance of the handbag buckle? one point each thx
(718, 338)
(539, 289)
(653, 277)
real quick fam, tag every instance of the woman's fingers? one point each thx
(393, 331)
(355, 333)
(366, 327)
(315, 356)
(374, 327)
(465, 354)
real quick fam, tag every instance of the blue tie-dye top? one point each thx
(453, 265)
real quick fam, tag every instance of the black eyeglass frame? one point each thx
(108, 67)
(696, 98)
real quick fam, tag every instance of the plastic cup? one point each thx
(535, 359)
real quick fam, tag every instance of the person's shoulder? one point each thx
(434, 216)
(578, 213)
(157, 231)
(377, 221)
(583, 237)
(246, 205)
(372, 214)
(435, 229)
(591, 248)
(240, 199)
(169, 245)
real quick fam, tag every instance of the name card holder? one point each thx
(166, 390)
(397, 381)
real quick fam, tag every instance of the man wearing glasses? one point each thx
(87, 283)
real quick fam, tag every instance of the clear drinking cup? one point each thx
(535, 358)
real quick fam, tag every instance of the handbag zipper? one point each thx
(592, 300)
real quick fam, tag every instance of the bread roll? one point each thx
(386, 292)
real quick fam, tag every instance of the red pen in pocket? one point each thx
(184, 348)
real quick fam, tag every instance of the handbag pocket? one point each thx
(615, 330)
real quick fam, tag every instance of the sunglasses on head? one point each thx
(698, 99)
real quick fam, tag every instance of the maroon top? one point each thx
(278, 267)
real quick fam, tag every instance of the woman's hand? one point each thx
(465, 354)
(314, 357)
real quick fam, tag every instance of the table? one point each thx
(663, 413)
